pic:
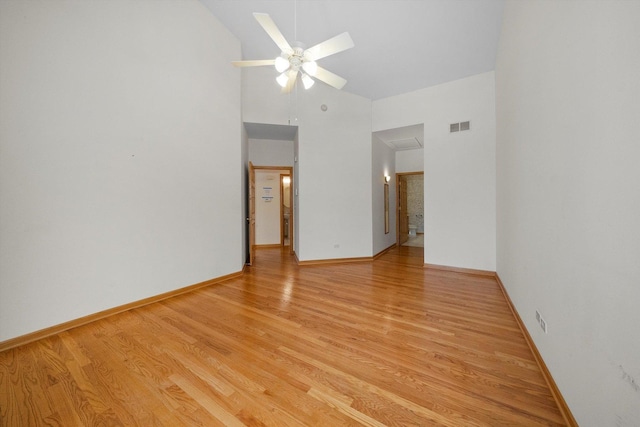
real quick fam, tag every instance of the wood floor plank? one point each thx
(377, 343)
(22, 395)
(206, 402)
(345, 408)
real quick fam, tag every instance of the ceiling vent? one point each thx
(465, 125)
(454, 127)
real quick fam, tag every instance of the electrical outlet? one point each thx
(541, 321)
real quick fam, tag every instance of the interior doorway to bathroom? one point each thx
(410, 209)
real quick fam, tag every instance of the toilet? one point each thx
(412, 230)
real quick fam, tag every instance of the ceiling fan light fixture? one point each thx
(282, 79)
(282, 64)
(307, 81)
(295, 60)
(310, 67)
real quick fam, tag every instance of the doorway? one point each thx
(267, 145)
(270, 203)
(286, 225)
(410, 209)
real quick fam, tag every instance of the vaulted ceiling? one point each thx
(400, 45)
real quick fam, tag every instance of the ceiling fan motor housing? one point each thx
(296, 58)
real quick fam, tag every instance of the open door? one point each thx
(403, 214)
(285, 210)
(251, 219)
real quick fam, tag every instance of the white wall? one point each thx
(333, 171)
(334, 159)
(459, 168)
(569, 195)
(410, 160)
(119, 129)
(269, 152)
(383, 163)
(262, 101)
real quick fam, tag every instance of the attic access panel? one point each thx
(405, 144)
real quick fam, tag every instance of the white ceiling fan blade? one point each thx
(293, 76)
(271, 28)
(254, 63)
(329, 47)
(329, 78)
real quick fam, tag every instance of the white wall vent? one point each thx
(455, 127)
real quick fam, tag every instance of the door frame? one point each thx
(252, 211)
(282, 228)
(251, 218)
(399, 175)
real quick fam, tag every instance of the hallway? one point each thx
(417, 241)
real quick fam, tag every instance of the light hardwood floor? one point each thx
(380, 343)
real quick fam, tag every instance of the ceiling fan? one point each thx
(298, 60)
